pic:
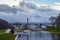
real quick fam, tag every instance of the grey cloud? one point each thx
(41, 13)
(35, 7)
(46, 10)
(28, 5)
(7, 9)
(31, 6)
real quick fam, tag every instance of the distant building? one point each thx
(16, 25)
(19, 26)
(43, 27)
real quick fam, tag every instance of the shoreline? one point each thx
(16, 37)
(53, 32)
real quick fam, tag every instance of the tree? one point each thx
(52, 19)
(3, 24)
(58, 20)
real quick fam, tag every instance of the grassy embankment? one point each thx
(2, 31)
(6, 36)
(54, 29)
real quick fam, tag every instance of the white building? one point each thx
(22, 26)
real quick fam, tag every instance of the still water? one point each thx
(39, 35)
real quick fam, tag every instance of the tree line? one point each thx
(55, 21)
(5, 25)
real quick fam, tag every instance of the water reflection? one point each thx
(55, 36)
(40, 35)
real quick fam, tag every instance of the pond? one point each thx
(38, 35)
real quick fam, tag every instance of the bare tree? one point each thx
(58, 20)
(52, 19)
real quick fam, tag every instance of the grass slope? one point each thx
(54, 29)
(2, 31)
(7, 36)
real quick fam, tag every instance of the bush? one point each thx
(12, 31)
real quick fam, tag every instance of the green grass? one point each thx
(2, 31)
(8, 36)
(54, 29)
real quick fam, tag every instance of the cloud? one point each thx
(56, 7)
(10, 2)
(7, 9)
(35, 12)
(57, 3)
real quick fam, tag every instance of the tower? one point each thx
(27, 20)
(27, 23)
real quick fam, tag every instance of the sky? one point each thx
(36, 10)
